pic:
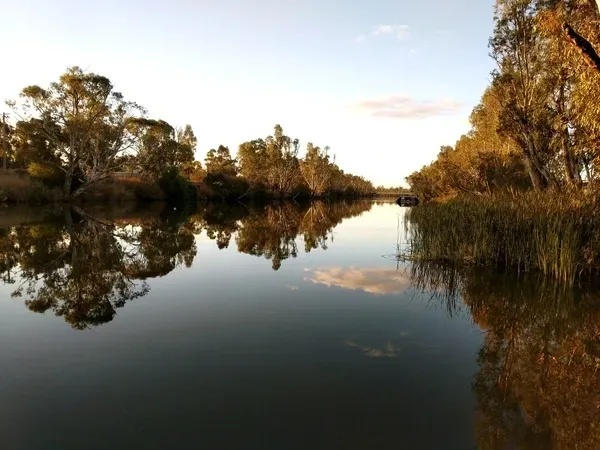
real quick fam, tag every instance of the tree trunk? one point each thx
(534, 175)
(4, 141)
(541, 173)
(571, 169)
(67, 184)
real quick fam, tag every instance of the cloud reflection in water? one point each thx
(377, 281)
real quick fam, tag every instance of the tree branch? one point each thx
(585, 47)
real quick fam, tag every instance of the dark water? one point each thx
(280, 327)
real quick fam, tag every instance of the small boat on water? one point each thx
(407, 200)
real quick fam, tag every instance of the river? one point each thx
(283, 326)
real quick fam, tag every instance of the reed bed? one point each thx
(555, 233)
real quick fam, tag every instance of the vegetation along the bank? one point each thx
(521, 188)
(80, 140)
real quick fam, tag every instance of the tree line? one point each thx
(537, 126)
(78, 132)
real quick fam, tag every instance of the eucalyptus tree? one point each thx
(85, 123)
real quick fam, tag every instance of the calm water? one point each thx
(283, 327)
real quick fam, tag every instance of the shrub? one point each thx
(48, 175)
(144, 191)
(176, 188)
(123, 190)
(225, 186)
(17, 188)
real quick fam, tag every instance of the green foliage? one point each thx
(79, 123)
(46, 174)
(79, 132)
(219, 161)
(536, 120)
(176, 188)
(272, 164)
(482, 161)
(161, 147)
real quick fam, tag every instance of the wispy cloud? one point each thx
(404, 107)
(401, 32)
(373, 281)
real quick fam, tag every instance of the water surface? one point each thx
(278, 327)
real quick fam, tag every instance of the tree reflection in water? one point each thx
(84, 268)
(538, 385)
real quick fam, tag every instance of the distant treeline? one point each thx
(538, 124)
(383, 191)
(76, 134)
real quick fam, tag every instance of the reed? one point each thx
(552, 232)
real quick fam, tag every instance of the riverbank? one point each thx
(20, 188)
(555, 233)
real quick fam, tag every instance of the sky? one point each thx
(384, 83)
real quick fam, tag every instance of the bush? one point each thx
(123, 190)
(176, 188)
(225, 186)
(53, 177)
(46, 174)
(16, 188)
(143, 190)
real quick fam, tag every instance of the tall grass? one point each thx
(556, 233)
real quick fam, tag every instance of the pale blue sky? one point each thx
(383, 82)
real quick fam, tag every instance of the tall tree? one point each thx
(516, 47)
(87, 122)
(162, 147)
(316, 170)
(220, 161)
(284, 168)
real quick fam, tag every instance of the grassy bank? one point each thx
(555, 233)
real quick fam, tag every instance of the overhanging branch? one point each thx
(585, 47)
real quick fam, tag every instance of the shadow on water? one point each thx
(84, 265)
(537, 386)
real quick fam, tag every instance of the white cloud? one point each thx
(402, 32)
(360, 39)
(413, 51)
(404, 107)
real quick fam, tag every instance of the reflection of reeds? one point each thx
(548, 232)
